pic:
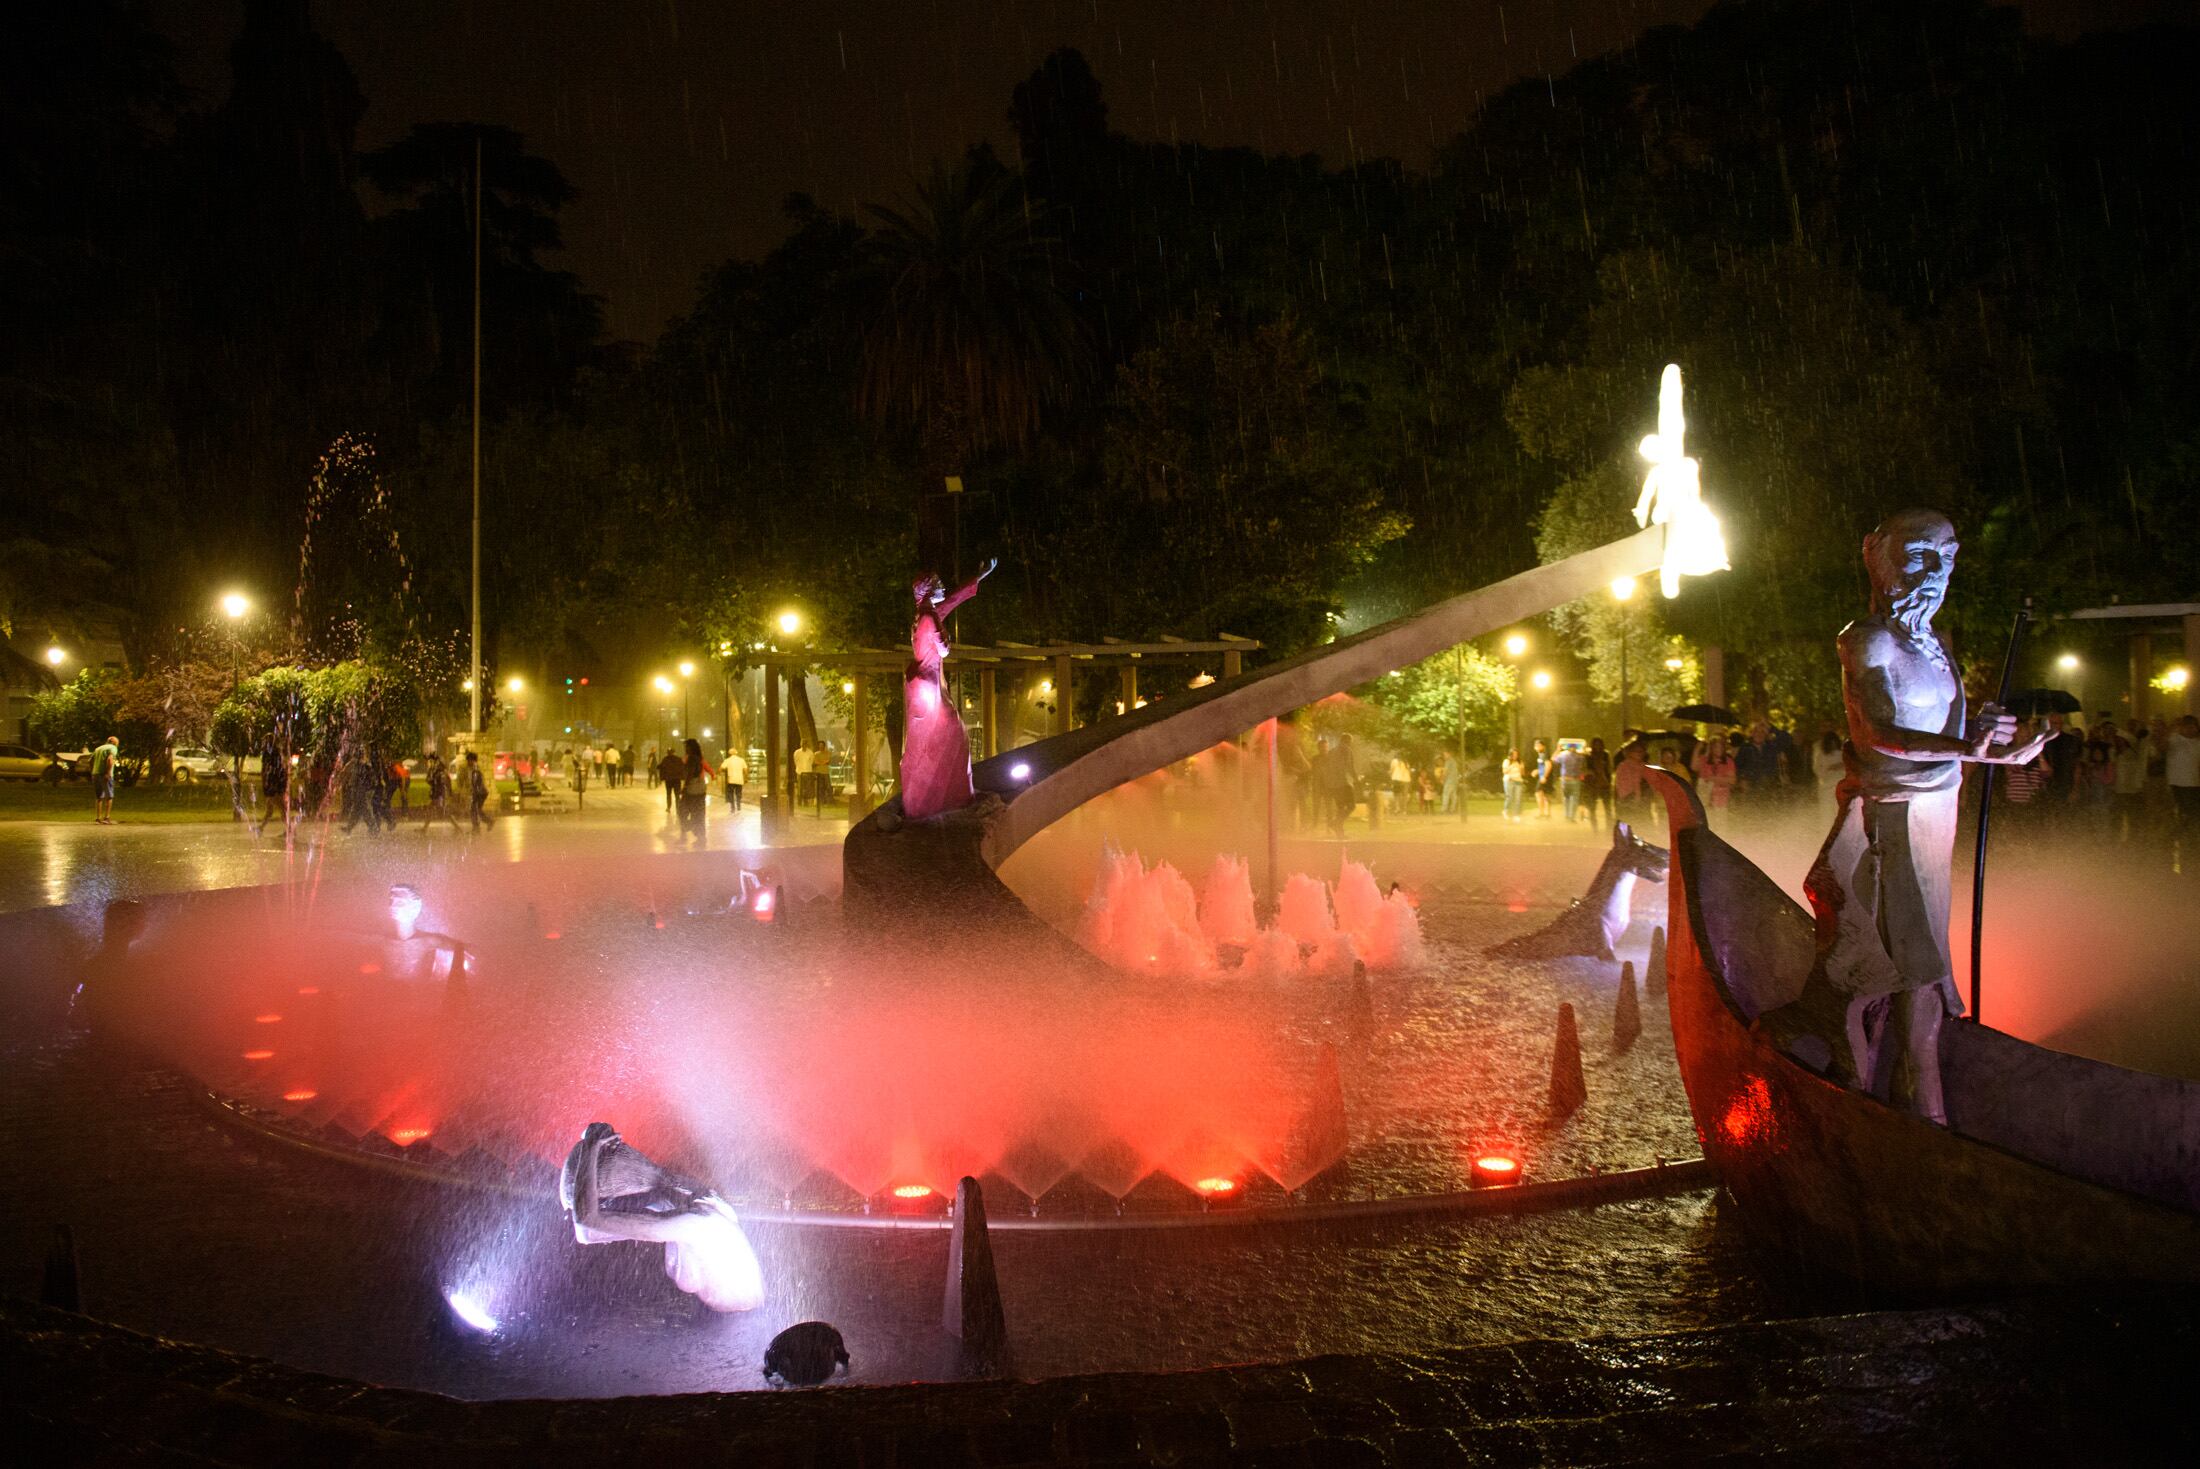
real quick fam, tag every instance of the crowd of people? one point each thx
(2131, 782)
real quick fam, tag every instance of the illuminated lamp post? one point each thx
(1540, 681)
(687, 672)
(235, 606)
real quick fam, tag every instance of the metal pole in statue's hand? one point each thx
(1986, 808)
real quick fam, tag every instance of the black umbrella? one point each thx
(2028, 702)
(1707, 714)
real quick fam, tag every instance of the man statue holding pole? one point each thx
(1871, 1012)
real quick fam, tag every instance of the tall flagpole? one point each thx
(474, 684)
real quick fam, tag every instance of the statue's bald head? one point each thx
(1909, 557)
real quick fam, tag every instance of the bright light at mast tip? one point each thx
(235, 605)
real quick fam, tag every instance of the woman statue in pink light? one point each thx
(935, 749)
(614, 1192)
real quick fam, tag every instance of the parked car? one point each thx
(193, 763)
(21, 762)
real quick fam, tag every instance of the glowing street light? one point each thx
(1516, 645)
(2176, 679)
(55, 657)
(662, 684)
(235, 605)
(514, 684)
(1675, 665)
(466, 687)
(2068, 662)
(1623, 589)
(1541, 679)
(790, 622)
(687, 668)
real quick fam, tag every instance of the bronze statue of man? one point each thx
(1881, 882)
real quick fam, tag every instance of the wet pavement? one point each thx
(43, 863)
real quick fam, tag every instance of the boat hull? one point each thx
(1838, 1181)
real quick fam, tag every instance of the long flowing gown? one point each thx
(935, 748)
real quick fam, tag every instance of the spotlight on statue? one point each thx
(1494, 1170)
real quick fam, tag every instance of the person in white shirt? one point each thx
(736, 772)
(801, 774)
(2181, 763)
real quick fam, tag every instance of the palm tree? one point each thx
(966, 337)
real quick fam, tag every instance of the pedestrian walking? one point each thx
(439, 794)
(477, 793)
(105, 757)
(735, 772)
(1516, 785)
(672, 770)
(694, 784)
(1596, 780)
(1573, 767)
(1545, 773)
(274, 788)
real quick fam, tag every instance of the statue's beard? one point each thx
(1913, 605)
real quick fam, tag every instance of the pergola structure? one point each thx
(2169, 621)
(1062, 662)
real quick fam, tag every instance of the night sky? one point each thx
(684, 123)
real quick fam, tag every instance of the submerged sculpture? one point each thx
(935, 748)
(1592, 923)
(614, 1192)
(1871, 1011)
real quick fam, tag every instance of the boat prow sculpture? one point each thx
(2050, 1168)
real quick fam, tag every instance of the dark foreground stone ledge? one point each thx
(2039, 1381)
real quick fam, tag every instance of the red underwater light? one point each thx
(1494, 1170)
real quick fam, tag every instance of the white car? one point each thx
(193, 763)
(21, 762)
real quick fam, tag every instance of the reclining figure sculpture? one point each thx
(614, 1192)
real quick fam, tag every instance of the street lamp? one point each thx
(1515, 645)
(55, 657)
(235, 605)
(1541, 680)
(790, 622)
(687, 671)
(514, 684)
